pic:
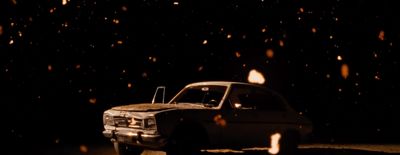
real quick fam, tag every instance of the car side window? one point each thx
(245, 97)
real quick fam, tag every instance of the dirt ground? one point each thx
(306, 149)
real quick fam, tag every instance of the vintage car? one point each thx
(208, 115)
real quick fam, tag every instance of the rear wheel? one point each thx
(124, 149)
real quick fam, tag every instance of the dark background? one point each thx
(61, 65)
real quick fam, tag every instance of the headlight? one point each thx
(150, 123)
(108, 119)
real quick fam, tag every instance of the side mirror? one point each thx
(237, 105)
(156, 94)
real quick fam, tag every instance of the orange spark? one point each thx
(83, 148)
(120, 42)
(281, 43)
(314, 30)
(339, 58)
(344, 70)
(93, 100)
(301, 10)
(129, 85)
(264, 30)
(115, 21)
(124, 8)
(64, 2)
(237, 54)
(49, 68)
(200, 68)
(228, 36)
(381, 35)
(1, 30)
(219, 120)
(269, 53)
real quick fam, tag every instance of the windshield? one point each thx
(204, 95)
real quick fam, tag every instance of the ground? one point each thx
(306, 149)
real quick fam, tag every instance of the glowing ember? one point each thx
(228, 36)
(120, 42)
(314, 30)
(205, 42)
(256, 77)
(64, 2)
(200, 68)
(269, 53)
(274, 149)
(301, 10)
(1, 30)
(237, 54)
(83, 148)
(281, 43)
(124, 8)
(344, 70)
(14, 2)
(381, 35)
(49, 68)
(92, 100)
(129, 85)
(115, 21)
(339, 58)
(77, 66)
(219, 120)
(264, 30)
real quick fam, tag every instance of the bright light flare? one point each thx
(255, 77)
(274, 149)
(64, 2)
(339, 58)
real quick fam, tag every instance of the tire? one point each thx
(289, 142)
(124, 149)
(186, 140)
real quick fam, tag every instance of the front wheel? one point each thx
(124, 149)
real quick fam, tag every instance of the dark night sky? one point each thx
(62, 65)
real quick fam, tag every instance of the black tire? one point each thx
(187, 140)
(124, 149)
(288, 144)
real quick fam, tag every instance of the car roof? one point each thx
(222, 83)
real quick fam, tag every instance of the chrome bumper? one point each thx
(136, 138)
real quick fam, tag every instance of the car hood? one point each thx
(144, 107)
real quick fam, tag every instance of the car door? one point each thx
(254, 116)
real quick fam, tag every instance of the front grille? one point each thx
(121, 122)
(129, 122)
(136, 123)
